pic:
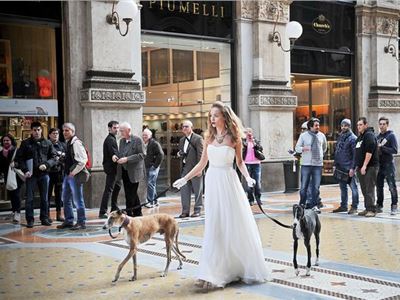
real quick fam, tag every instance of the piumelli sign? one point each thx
(321, 25)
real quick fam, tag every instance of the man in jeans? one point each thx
(312, 145)
(75, 162)
(366, 163)
(152, 161)
(344, 161)
(36, 157)
(387, 146)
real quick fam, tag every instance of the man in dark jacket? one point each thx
(344, 161)
(387, 146)
(110, 157)
(366, 164)
(56, 173)
(152, 162)
(36, 157)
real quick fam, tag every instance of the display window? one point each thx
(28, 78)
(182, 77)
(327, 98)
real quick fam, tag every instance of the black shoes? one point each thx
(65, 225)
(340, 209)
(181, 216)
(103, 216)
(29, 224)
(46, 222)
(78, 226)
(195, 215)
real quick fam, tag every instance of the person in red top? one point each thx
(253, 164)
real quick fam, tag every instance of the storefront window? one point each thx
(182, 78)
(28, 82)
(329, 100)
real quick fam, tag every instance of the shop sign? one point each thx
(29, 107)
(321, 25)
(216, 10)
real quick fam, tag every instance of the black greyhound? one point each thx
(305, 223)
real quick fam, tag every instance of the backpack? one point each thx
(89, 159)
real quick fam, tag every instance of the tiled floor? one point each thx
(360, 259)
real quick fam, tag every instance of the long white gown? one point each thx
(232, 248)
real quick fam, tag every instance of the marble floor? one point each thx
(359, 258)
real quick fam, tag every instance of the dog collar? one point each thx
(124, 223)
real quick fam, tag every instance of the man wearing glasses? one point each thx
(387, 146)
(366, 163)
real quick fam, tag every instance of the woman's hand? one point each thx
(179, 183)
(250, 181)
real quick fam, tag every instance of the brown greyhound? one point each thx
(139, 230)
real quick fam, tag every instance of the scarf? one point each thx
(315, 147)
(342, 140)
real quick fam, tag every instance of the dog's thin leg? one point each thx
(295, 245)
(178, 256)
(308, 246)
(134, 277)
(122, 264)
(316, 233)
(168, 247)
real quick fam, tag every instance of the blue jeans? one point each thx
(344, 196)
(43, 184)
(255, 173)
(152, 174)
(387, 171)
(310, 175)
(72, 193)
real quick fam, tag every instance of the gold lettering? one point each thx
(173, 5)
(161, 5)
(205, 10)
(222, 11)
(183, 8)
(151, 3)
(213, 11)
(195, 8)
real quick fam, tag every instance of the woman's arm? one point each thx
(200, 165)
(239, 160)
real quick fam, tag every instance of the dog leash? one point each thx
(124, 224)
(271, 218)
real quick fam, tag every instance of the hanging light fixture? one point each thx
(391, 48)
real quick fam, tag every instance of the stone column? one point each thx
(377, 72)
(269, 99)
(102, 82)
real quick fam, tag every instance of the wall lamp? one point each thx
(293, 32)
(391, 48)
(125, 10)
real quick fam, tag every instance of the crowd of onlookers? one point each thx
(366, 158)
(61, 168)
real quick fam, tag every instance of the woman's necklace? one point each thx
(220, 138)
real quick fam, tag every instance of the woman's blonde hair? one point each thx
(233, 124)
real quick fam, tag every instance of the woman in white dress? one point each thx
(232, 248)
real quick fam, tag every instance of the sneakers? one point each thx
(340, 209)
(148, 205)
(352, 211)
(379, 209)
(16, 218)
(78, 226)
(362, 213)
(370, 214)
(393, 210)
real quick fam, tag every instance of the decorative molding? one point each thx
(267, 10)
(247, 9)
(377, 21)
(108, 95)
(273, 100)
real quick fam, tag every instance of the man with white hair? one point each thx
(72, 188)
(152, 162)
(130, 168)
(190, 150)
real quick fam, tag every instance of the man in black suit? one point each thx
(190, 150)
(110, 157)
(131, 168)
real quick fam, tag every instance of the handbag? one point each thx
(11, 184)
(342, 175)
(258, 154)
